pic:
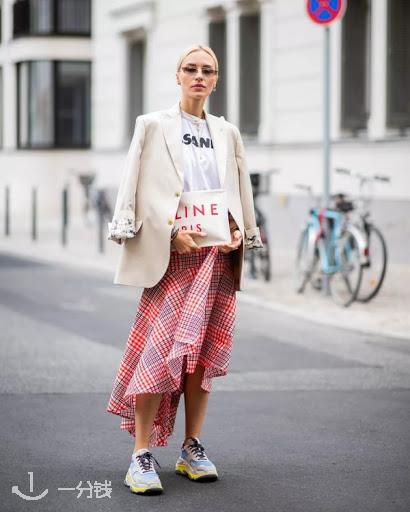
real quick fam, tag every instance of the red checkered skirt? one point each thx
(186, 319)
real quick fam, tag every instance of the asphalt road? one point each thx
(310, 418)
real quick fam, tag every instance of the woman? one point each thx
(183, 330)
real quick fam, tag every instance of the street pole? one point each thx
(326, 134)
(326, 119)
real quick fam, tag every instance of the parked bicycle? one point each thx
(328, 248)
(374, 254)
(258, 261)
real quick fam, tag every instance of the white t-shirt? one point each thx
(200, 168)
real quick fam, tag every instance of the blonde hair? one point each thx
(195, 48)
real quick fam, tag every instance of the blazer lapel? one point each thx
(172, 129)
(218, 135)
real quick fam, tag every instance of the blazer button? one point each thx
(170, 221)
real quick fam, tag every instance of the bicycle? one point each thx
(328, 245)
(374, 259)
(258, 261)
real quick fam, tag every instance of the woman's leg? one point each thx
(196, 401)
(146, 407)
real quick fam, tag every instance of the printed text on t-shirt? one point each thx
(203, 142)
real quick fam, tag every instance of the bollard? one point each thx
(101, 218)
(34, 214)
(7, 211)
(64, 217)
(103, 211)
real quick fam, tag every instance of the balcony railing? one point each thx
(52, 17)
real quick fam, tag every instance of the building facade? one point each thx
(45, 112)
(74, 76)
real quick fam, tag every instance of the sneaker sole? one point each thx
(181, 469)
(143, 490)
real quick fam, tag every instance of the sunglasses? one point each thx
(193, 70)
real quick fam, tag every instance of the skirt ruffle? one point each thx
(186, 319)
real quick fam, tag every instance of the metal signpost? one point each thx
(324, 12)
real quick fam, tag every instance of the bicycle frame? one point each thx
(361, 228)
(325, 239)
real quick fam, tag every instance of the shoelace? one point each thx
(145, 461)
(198, 449)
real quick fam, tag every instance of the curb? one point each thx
(248, 298)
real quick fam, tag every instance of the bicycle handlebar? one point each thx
(375, 177)
(264, 171)
(340, 170)
(382, 178)
(301, 186)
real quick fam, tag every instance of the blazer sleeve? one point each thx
(123, 224)
(252, 233)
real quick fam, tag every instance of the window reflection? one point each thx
(41, 104)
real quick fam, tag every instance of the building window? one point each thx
(398, 64)
(249, 75)
(53, 104)
(217, 41)
(136, 64)
(41, 16)
(73, 104)
(52, 17)
(356, 66)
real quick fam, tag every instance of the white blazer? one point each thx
(150, 188)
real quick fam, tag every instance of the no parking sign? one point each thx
(324, 12)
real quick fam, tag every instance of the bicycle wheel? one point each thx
(250, 267)
(263, 257)
(373, 275)
(316, 274)
(263, 254)
(345, 283)
(304, 264)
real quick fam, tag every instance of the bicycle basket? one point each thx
(341, 204)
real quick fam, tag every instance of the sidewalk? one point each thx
(388, 314)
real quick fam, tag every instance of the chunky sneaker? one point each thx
(141, 477)
(194, 463)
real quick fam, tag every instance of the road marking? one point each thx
(312, 379)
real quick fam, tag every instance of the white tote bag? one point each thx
(207, 211)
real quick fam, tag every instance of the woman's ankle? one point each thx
(190, 437)
(140, 446)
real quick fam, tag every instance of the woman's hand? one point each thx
(236, 240)
(184, 243)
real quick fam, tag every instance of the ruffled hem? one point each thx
(185, 320)
(161, 432)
